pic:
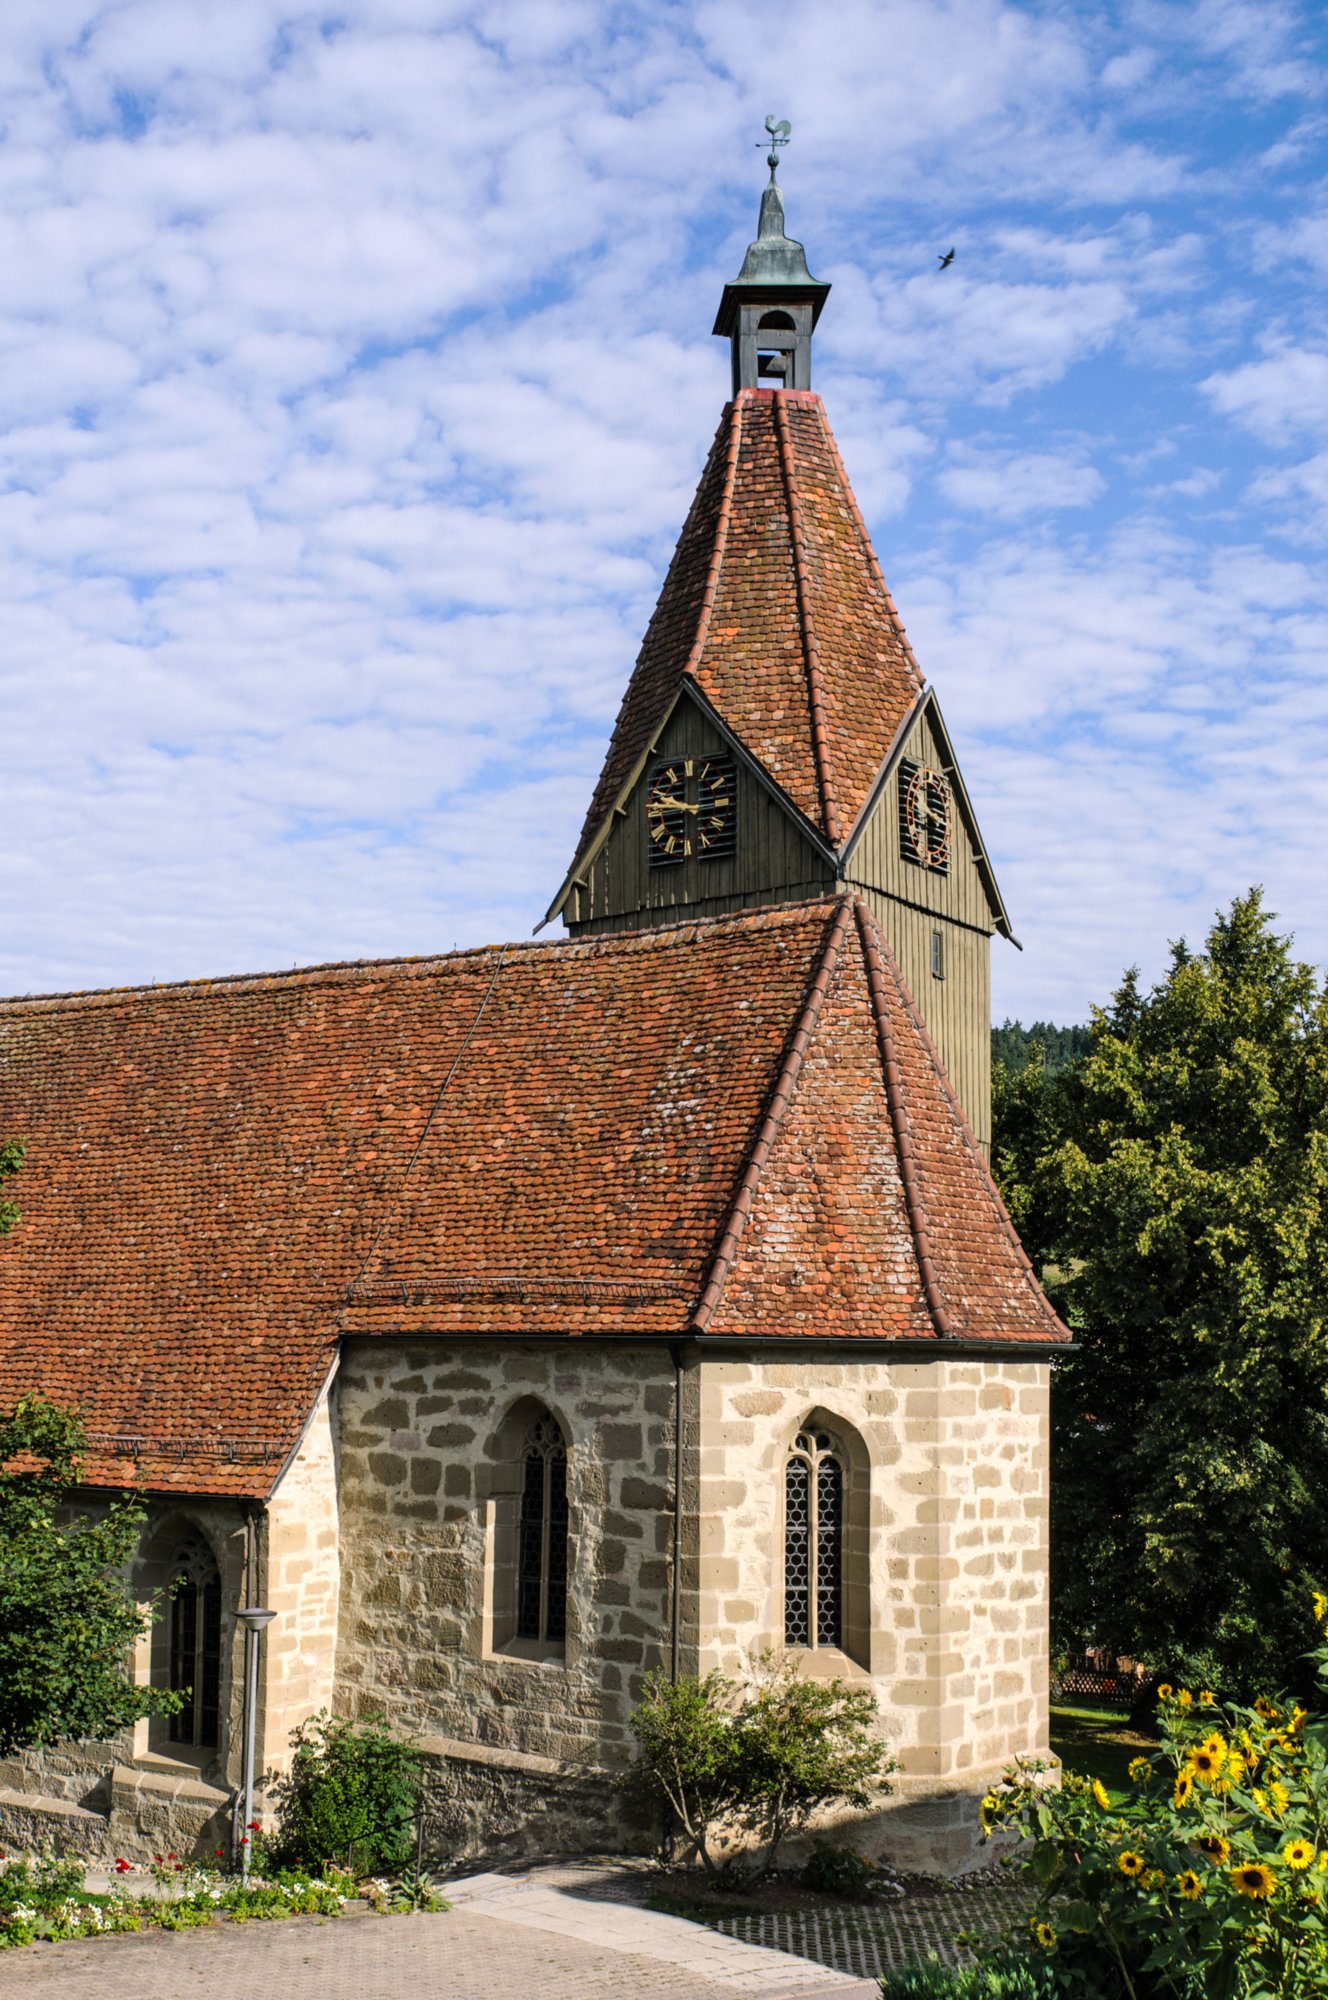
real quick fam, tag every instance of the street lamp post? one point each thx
(253, 1617)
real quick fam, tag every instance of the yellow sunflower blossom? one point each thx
(1235, 1768)
(1184, 1785)
(1154, 1879)
(1191, 1888)
(1280, 1797)
(1165, 1691)
(1206, 1697)
(1320, 1607)
(1130, 1863)
(1260, 1799)
(1298, 1854)
(1102, 1795)
(1322, 1863)
(1044, 1936)
(1265, 1708)
(1216, 1743)
(1140, 1769)
(1204, 1764)
(1185, 1698)
(1254, 1880)
(1297, 1717)
(1213, 1845)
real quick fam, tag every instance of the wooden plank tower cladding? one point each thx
(776, 658)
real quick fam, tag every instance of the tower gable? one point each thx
(767, 853)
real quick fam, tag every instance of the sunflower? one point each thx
(1185, 1698)
(1044, 1936)
(1279, 1797)
(1191, 1888)
(1164, 1692)
(1298, 1853)
(1102, 1795)
(1140, 1768)
(1235, 1768)
(1130, 1863)
(1213, 1845)
(1204, 1764)
(1266, 1710)
(1183, 1787)
(1206, 1697)
(1154, 1879)
(1254, 1880)
(1320, 1607)
(1217, 1743)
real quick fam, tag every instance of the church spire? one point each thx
(769, 310)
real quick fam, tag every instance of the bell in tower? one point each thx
(770, 309)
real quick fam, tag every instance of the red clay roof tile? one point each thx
(645, 1133)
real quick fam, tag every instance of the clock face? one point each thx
(926, 816)
(691, 810)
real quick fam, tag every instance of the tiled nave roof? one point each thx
(724, 1128)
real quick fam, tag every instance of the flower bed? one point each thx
(47, 1899)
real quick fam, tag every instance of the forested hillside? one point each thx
(1012, 1044)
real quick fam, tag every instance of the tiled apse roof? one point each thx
(775, 608)
(728, 1127)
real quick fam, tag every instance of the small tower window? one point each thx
(813, 1542)
(195, 1653)
(542, 1536)
(938, 955)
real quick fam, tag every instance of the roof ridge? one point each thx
(719, 547)
(873, 559)
(966, 1130)
(780, 1099)
(896, 1095)
(339, 971)
(810, 649)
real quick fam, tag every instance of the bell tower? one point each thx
(777, 741)
(770, 310)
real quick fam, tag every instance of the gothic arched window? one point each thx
(541, 1593)
(195, 1646)
(813, 1541)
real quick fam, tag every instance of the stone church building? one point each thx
(515, 1321)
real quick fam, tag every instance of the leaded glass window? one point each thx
(195, 1647)
(541, 1591)
(813, 1542)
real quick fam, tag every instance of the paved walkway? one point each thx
(550, 1934)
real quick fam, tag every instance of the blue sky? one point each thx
(355, 374)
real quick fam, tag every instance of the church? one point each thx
(513, 1322)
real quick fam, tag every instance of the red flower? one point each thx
(218, 1851)
(170, 1857)
(179, 1868)
(254, 1826)
(121, 1865)
(244, 1840)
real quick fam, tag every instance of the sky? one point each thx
(356, 374)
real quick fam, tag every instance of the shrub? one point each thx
(1211, 1881)
(767, 1765)
(838, 1871)
(351, 1797)
(803, 1745)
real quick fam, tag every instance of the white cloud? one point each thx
(1009, 485)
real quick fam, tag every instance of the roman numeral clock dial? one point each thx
(691, 810)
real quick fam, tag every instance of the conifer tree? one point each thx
(1172, 1186)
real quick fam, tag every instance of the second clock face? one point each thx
(691, 809)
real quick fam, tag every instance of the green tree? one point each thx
(1172, 1185)
(67, 1619)
(803, 1745)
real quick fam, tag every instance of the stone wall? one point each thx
(946, 1584)
(430, 1437)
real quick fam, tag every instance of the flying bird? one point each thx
(947, 260)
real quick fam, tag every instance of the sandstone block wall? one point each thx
(300, 1579)
(946, 1583)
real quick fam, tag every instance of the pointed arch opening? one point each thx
(825, 1572)
(527, 1535)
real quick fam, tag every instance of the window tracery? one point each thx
(813, 1541)
(541, 1609)
(194, 1668)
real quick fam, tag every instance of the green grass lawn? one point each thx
(1099, 1743)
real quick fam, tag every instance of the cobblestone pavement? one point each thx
(882, 1938)
(544, 1935)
